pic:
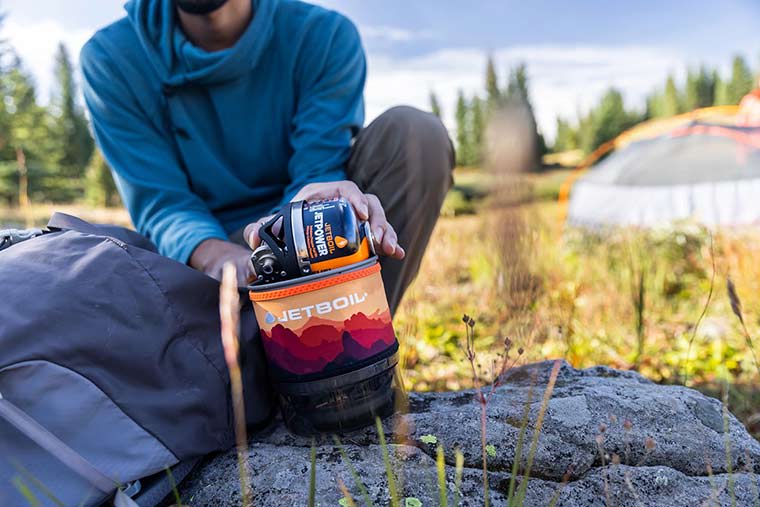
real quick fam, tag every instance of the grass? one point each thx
(591, 298)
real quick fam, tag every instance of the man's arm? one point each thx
(146, 167)
(329, 88)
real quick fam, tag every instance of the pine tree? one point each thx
(493, 93)
(517, 94)
(608, 120)
(566, 138)
(741, 81)
(70, 129)
(670, 101)
(435, 106)
(721, 92)
(477, 130)
(517, 84)
(26, 135)
(464, 144)
(100, 189)
(690, 91)
(653, 106)
(700, 89)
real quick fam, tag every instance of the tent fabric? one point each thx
(724, 203)
(704, 167)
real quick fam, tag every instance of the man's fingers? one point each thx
(356, 197)
(377, 222)
(251, 235)
(330, 190)
(251, 232)
(390, 244)
(386, 240)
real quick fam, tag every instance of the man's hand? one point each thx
(211, 255)
(366, 206)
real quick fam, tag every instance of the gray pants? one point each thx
(405, 158)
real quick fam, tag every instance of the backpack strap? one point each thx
(62, 221)
(24, 423)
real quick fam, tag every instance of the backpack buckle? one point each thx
(10, 237)
(131, 488)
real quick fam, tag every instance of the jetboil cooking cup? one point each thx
(328, 337)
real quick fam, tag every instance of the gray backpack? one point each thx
(111, 368)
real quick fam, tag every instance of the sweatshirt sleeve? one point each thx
(147, 171)
(330, 105)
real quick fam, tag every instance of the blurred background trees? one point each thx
(47, 153)
(703, 87)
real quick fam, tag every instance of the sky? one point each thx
(574, 50)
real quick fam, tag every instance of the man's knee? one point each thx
(422, 139)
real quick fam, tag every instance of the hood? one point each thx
(178, 62)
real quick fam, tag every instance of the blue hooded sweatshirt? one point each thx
(202, 143)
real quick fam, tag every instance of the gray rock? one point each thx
(608, 438)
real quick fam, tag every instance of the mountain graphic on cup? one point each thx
(322, 345)
(340, 241)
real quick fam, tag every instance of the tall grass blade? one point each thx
(25, 491)
(313, 474)
(714, 492)
(736, 307)
(484, 452)
(36, 483)
(349, 500)
(522, 491)
(750, 469)
(727, 433)
(442, 489)
(354, 474)
(229, 312)
(520, 442)
(459, 468)
(175, 491)
(701, 315)
(560, 489)
(387, 461)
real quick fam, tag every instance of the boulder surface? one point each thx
(609, 438)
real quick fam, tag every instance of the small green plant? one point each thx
(491, 450)
(429, 439)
